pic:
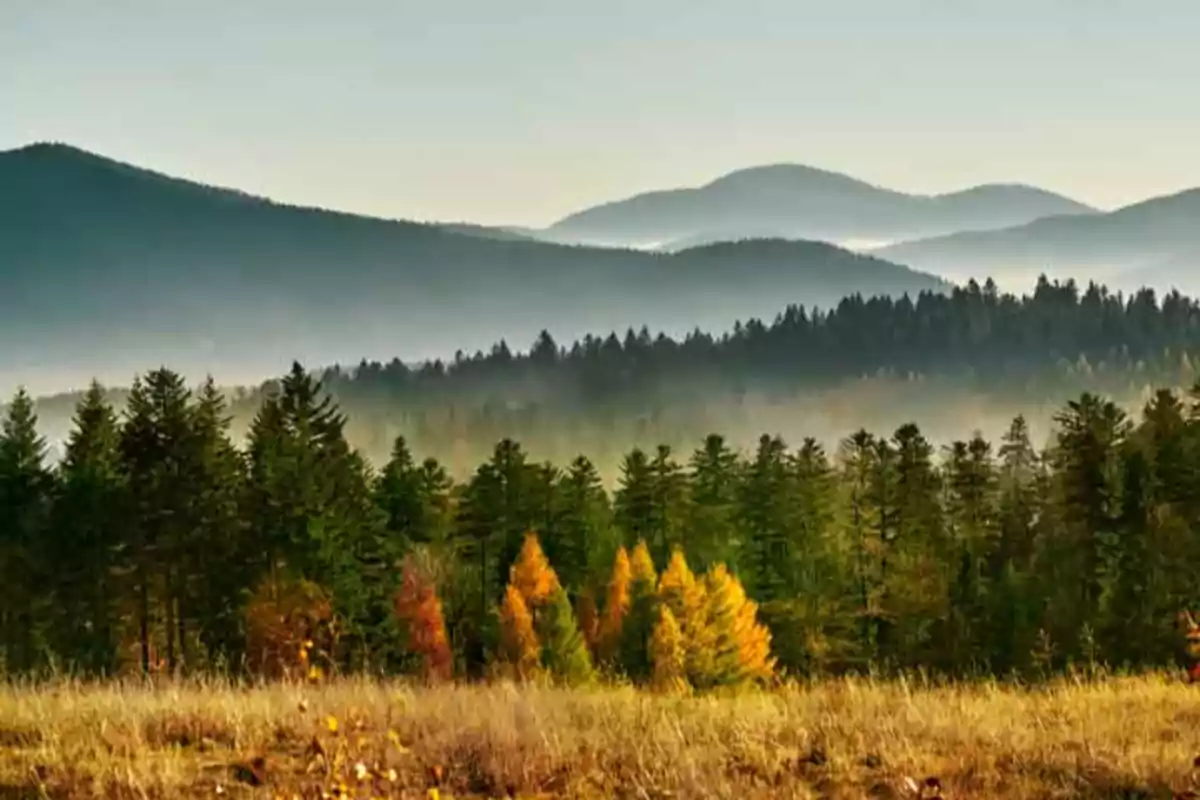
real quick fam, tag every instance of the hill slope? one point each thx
(794, 201)
(108, 268)
(1154, 243)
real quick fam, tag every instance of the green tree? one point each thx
(564, 652)
(88, 521)
(25, 491)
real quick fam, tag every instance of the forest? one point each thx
(159, 543)
(969, 358)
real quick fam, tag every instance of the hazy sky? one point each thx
(518, 111)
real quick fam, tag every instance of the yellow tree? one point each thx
(742, 645)
(668, 654)
(532, 574)
(521, 650)
(616, 606)
(687, 599)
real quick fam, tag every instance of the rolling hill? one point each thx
(1154, 243)
(108, 269)
(800, 202)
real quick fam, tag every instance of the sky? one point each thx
(521, 111)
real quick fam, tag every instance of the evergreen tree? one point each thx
(585, 537)
(25, 492)
(158, 458)
(88, 521)
(713, 522)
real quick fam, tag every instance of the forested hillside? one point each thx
(116, 267)
(159, 544)
(966, 360)
(969, 359)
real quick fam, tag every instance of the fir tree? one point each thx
(25, 492)
(88, 519)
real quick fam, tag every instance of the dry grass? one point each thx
(1121, 738)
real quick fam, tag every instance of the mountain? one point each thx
(1154, 243)
(799, 202)
(108, 269)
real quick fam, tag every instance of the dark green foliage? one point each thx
(25, 492)
(140, 549)
(89, 515)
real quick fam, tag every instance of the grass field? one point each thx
(1118, 738)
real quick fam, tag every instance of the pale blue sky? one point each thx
(518, 111)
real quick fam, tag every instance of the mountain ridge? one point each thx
(800, 201)
(1145, 243)
(116, 267)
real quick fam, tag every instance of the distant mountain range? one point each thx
(107, 269)
(1154, 243)
(799, 202)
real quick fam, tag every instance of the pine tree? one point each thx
(25, 492)
(766, 514)
(713, 521)
(633, 504)
(565, 652)
(88, 521)
(213, 592)
(585, 538)
(157, 457)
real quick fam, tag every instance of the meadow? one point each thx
(1124, 737)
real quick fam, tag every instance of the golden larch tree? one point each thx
(532, 574)
(687, 599)
(521, 650)
(742, 645)
(668, 653)
(616, 606)
(638, 625)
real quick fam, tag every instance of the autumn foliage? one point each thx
(289, 629)
(519, 642)
(420, 613)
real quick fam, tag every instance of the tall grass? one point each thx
(1115, 737)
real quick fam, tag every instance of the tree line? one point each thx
(644, 388)
(157, 543)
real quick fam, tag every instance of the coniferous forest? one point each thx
(158, 544)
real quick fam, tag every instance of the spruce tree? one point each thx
(88, 522)
(713, 521)
(25, 491)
